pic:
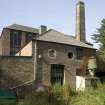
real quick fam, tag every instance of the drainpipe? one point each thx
(35, 56)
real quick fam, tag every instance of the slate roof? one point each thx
(23, 28)
(52, 36)
(58, 37)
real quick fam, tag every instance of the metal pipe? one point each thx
(35, 57)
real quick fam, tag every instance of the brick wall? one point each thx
(44, 63)
(15, 70)
(61, 58)
(5, 42)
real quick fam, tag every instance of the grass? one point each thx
(62, 95)
(91, 96)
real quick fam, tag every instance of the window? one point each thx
(28, 37)
(57, 73)
(70, 55)
(52, 53)
(79, 54)
(15, 42)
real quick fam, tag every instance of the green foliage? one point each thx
(99, 37)
(36, 98)
(90, 96)
(62, 95)
(57, 95)
(54, 95)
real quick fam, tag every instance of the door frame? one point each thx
(63, 73)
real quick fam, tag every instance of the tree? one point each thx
(99, 37)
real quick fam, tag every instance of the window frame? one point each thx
(79, 53)
(57, 74)
(15, 41)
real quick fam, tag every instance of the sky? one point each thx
(56, 14)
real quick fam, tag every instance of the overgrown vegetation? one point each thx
(62, 95)
(90, 96)
(54, 95)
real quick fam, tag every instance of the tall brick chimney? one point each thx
(80, 22)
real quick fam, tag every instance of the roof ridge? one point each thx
(45, 32)
(23, 28)
(63, 33)
(21, 25)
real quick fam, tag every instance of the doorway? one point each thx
(57, 73)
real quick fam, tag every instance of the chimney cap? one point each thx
(80, 2)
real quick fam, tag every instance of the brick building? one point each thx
(46, 56)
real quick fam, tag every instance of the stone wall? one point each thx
(15, 70)
(71, 65)
(5, 42)
(61, 58)
(20, 69)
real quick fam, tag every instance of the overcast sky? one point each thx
(56, 14)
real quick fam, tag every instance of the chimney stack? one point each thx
(42, 29)
(80, 21)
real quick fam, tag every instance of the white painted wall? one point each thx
(80, 83)
(84, 82)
